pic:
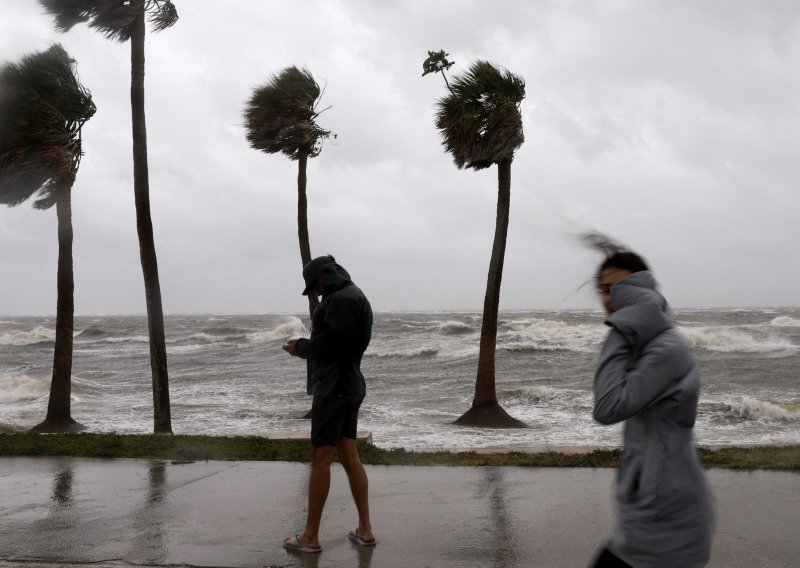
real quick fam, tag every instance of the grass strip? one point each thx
(256, 448)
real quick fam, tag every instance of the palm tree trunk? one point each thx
(144, 226)
(302, 222)
(485, 410)
(59, 417)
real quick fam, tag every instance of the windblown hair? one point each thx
(616, 254)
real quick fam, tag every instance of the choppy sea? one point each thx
(229, 376)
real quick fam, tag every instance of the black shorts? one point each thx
(334, 418)
(607, 559)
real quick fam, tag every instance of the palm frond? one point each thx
(479, 120)
(42, 109)
(112, 18)
(68, 13)
(281, 115)
(162, 14)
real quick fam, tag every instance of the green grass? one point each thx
(254, 448)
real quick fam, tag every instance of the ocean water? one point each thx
(229, 376)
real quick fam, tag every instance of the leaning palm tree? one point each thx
(124, 20)
(281, 117)
(481, 125)
(43, 107)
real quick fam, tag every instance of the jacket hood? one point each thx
(334, 277)
(637, 288)
(640, 310)
(324, 268)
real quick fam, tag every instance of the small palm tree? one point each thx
(124, 20)
(481, 125)
(43, 107)
(281, 117)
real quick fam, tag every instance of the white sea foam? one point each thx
(730, 340)
(8, 428)
(404, 350)
(292, 327)
(423, 349)
(549, 335)
(19, 388)
(749, 408)
(130, 339)
(785, 321)
(540, 393)
(29, 337)
(181, 349)
(528, 347)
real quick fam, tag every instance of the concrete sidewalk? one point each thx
(71, 511)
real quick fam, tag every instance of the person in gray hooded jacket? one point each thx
(646, 377)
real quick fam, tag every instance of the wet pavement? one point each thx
(74, 511)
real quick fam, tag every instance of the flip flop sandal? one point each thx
(297, 546)
(356, 538)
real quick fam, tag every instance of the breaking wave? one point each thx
(30, 337)
(749, 408)
(455, 328)
(539, 394)
(90, 332)
(551, 335)
(401, 351)
(785, 321)
(20, 388)
(728, 340)
(292, 327)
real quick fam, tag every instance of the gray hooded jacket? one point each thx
(647, 377)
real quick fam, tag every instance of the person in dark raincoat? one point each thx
(341, 329)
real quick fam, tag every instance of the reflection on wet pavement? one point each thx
(150, 539)
(503, 546)
(116, 513)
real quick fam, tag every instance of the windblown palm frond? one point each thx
(42, 109)
(113, 18)
(281, 116)
(480, 121)
(162, 14)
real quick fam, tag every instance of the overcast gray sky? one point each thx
(672, 125)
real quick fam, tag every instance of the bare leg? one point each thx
(318, 486)
(359, 484)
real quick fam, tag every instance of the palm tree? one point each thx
(281, 117)
(124, 20)
(481, 125)
(43, 107)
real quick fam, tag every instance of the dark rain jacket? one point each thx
(647, 377)
(340, 332)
